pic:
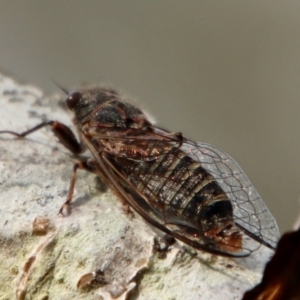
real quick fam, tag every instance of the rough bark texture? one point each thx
(46, 256)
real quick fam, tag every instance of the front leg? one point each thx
(61, 131)
(87, 165)
(68, 139)
(90, 166)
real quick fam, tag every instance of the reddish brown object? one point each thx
(281, 278)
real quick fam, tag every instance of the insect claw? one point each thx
(64, 207)
(61, 212)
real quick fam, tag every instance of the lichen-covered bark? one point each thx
(98, 250)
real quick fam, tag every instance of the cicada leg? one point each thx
(68, 139)
(88, 165)
(61, 131)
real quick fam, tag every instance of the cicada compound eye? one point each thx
(73, 99)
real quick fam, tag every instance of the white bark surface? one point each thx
(45, 256)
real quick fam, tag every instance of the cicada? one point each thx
(191, 191)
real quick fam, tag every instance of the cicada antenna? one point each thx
(59, 86)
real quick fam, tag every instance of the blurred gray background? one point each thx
(222, 72)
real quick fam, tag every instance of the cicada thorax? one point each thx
(103, 108)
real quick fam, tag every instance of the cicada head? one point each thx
(104, 108)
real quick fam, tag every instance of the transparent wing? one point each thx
(150, 171)
(250, 212)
